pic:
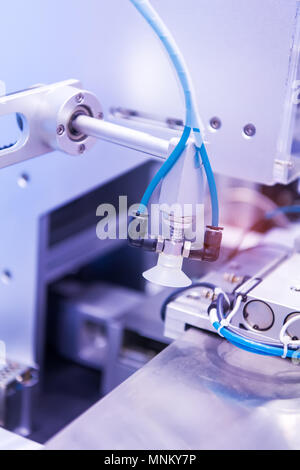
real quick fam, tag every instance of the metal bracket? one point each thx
(45, 113)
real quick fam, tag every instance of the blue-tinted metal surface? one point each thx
(200, 393)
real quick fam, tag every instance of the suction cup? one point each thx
(168, 272)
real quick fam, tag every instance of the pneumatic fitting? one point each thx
(138, 233)
(211, 247)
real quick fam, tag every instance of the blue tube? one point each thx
(248, 344)
(211, 184)
(253, 346)
(164, 170)
(283, 210)
(152, 18)
(158, 26)
(192, 120)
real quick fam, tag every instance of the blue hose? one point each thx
(164, 170)
(211, 184)
(283, 210)
(249, 344)
(253, 346)
(192, 119)
(158, 26)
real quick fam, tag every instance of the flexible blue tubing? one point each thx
(254, 346)
(248, 344)
(192, 118)
(164, 170)
(211, 184)
(151, 16)
(283, 210)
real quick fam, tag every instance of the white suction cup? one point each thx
(168, 272)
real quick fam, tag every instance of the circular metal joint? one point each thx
(72, 132)
(250, 130)
(71, 104)
(258, 315)
(215, 123)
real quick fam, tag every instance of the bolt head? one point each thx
(80, 98)
(250, 130)
(60, 130)
(23, 180)
(215, 123)
(81, 148)
(6, 277)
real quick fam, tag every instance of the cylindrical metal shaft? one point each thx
(121, 135)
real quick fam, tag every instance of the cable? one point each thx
(192, 117)
(153, 19)
(178, 292)
(286, 326)
(286, 339)
(221, 325)
(234, 311)
(216, 316)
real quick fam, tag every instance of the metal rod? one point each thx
(123, 136)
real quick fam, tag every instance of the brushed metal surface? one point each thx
(200, 393)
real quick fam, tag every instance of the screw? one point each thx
(250, 130)
(80, 98)
(215, 123)
(6, 277)
(60, 130)
(82, 148)
(23, 180)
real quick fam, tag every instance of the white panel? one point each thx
(243, 58)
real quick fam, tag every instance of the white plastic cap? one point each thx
(168, 272)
